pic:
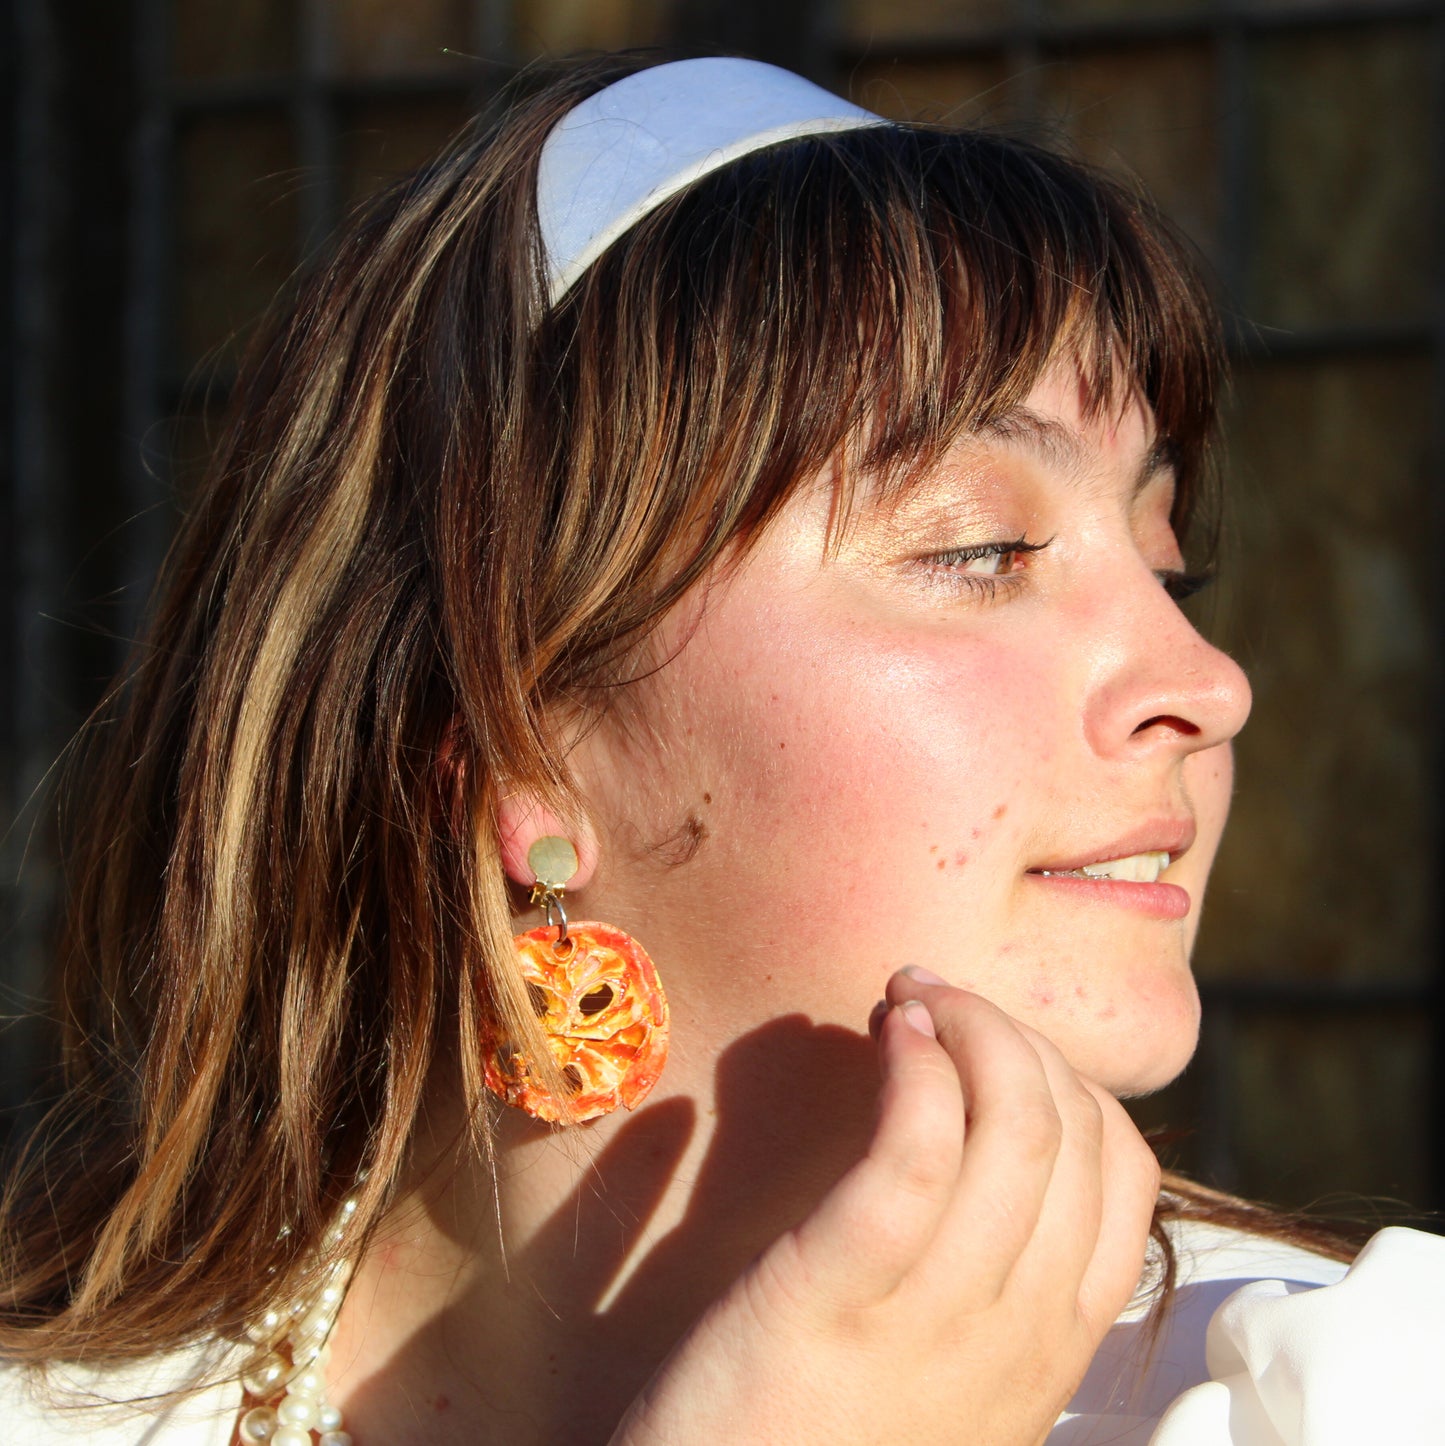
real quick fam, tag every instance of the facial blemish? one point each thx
(943, 863)
(933, 848)
(1000, 810)
(975, 832)
(960, 859)
(707, 798)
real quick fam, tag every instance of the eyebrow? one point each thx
(1061, 446)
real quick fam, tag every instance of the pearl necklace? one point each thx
(287, 1374)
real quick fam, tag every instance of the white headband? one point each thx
(623, 151)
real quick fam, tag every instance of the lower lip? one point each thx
(1158, 901)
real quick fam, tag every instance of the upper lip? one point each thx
(1171, 836)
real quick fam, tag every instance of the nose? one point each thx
(1158, 684)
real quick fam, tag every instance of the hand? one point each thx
(953, 1286)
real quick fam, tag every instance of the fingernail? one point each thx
(916, 1013)
(876, 1016)
(920, 975)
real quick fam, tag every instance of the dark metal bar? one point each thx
(1436, 524)
(149, 310)
(33, 546)
(1065, 33)
(492, 30)
(1218, 1156)
(1024, 54)
(314, 118)
(1322, 995)
(1250, 341)
(1236, 153)
(494, 44)
(252, 93)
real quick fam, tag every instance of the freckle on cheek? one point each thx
(1000, 810)
(942, 863)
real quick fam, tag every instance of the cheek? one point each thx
(863, 773)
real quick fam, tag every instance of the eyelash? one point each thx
(1180, 585)
(986, 584)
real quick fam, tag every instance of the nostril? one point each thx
(1181, 726)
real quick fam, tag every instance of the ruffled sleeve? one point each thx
(1359, 1361)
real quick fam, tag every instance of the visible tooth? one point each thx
(1136, 869)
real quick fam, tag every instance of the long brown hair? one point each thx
(440, 513)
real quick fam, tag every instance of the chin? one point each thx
(1133, 1038)
(1156, 1052)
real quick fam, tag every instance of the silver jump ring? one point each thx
(550, 902)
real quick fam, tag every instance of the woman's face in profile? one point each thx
(905, 750)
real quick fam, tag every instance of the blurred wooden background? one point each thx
(172, 162)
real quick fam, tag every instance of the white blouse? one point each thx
(1264, 1345)
(1269, 1345)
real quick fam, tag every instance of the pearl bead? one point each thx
(328, 1418)
(258, 1424)
(316, 1322)
(297, 1411)
(307, 1382)
(336, 1438)
(265, 1330)
(305, 1352)
(290, 1436)
(262, 1375)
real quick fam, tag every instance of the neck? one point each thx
(613, 1238)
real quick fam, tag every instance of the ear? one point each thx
(522, 818)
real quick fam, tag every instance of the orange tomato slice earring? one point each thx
(599, 1002)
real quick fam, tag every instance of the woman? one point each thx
(757, 527)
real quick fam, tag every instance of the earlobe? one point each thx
(522, 818)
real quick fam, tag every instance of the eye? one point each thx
(1181, 585)
(987, 566)
(595, 1000)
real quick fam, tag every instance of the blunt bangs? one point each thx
(860, 301)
